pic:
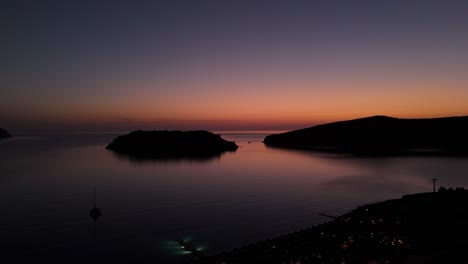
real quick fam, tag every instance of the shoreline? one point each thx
(417, 228)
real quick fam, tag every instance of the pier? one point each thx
(195, 252)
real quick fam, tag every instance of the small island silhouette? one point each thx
(381, 135)
(166, 145)
(4, 134)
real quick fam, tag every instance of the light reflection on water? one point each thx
(46, 186)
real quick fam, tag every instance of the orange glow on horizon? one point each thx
(264, 106)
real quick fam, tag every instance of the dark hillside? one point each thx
(381, 135)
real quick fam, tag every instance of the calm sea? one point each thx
(255, 193)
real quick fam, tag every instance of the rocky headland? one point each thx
(381, 135)
(4, 134)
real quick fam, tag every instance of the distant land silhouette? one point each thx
(170, 145)
(381, 135)
(4, 134)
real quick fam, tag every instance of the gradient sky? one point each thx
(123, 65)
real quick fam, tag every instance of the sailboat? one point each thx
(95, 213)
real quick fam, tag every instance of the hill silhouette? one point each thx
(4, 134)
(381, 135)
(154, 145)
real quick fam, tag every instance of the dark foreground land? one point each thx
(4, 134)
(419, 228)
(171, 144)
(381, 135)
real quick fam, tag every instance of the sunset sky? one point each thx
(74, 66)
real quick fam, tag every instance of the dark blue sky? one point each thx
(229, 64)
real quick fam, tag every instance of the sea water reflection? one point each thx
(205, 158)
(238, 198)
